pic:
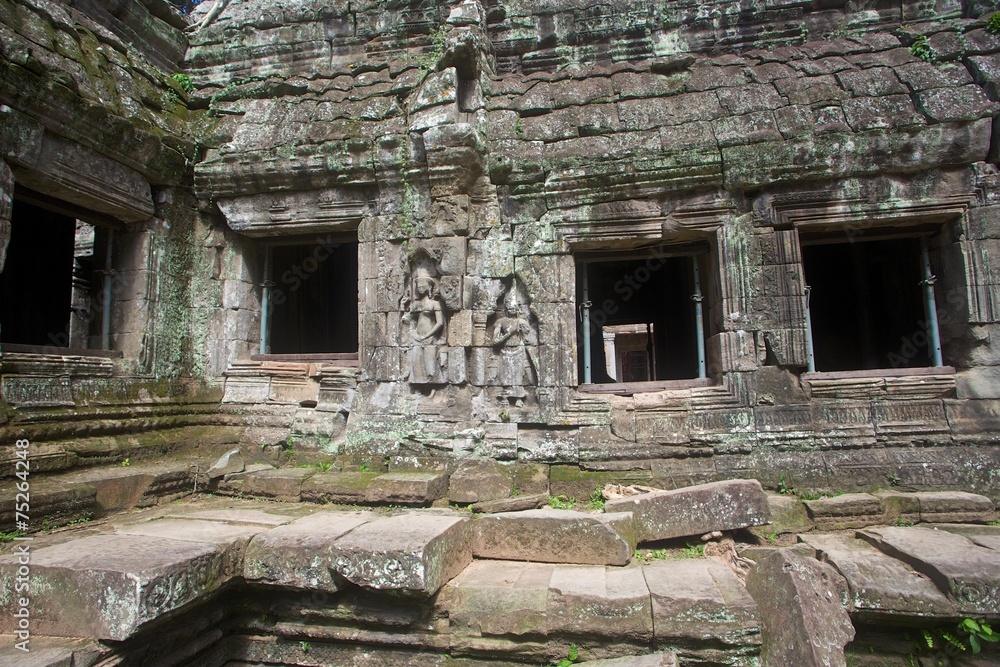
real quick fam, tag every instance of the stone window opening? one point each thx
(57, 284)
(641, 319)
(871, 303)
(309, 299)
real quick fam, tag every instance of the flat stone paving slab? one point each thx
(555, 536)
(880, 584)
(236, 516)
(106, 586)
(967, 572)
(695, 510)
(300, 554)
(415, 553)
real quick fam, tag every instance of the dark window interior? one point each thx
(315, 299)
(37, 280)
(654, 291)
(867, 305)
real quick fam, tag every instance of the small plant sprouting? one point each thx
(784, 488)
(364, 468)
(572, 656)
(693, 551)
(126, 463)
(183, 80)
(978, 631)
(894, 479)
(561, 502)
(649, 556)
(993, 23)
(596, 501)
(305, 646)
(921, 48)
(11, 536)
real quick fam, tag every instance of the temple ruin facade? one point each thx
(644, 243)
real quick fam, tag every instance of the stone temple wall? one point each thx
(494, 160)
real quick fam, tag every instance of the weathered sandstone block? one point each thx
(409, 553)
(300, 554)
(802, 619)
(555, 536)
(695, 510)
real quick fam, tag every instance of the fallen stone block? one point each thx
(337, 487)
(228, 463)
(476, 480)
(697, 598)
(107, 586)
(652, 660)
(515, 504)
(879, 584)
(407, 488)
(300, 554)
(50, 652)
(803, 621)
(851, 510)
(967, 572)
(954, 507)
(555, 536)
(409, 553)
(695, 510)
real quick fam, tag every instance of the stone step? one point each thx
(697, 606)
(695, 510)
(966, 571)
(555, 536)
(880, 586)
(857, 510)
(415, 489)
(59, 499)
(108, 585)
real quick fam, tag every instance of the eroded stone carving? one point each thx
(516, 339)
(422, 307)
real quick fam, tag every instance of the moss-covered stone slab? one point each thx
(108, 586)
(555, 536)
(300, 554)
(409, 553)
